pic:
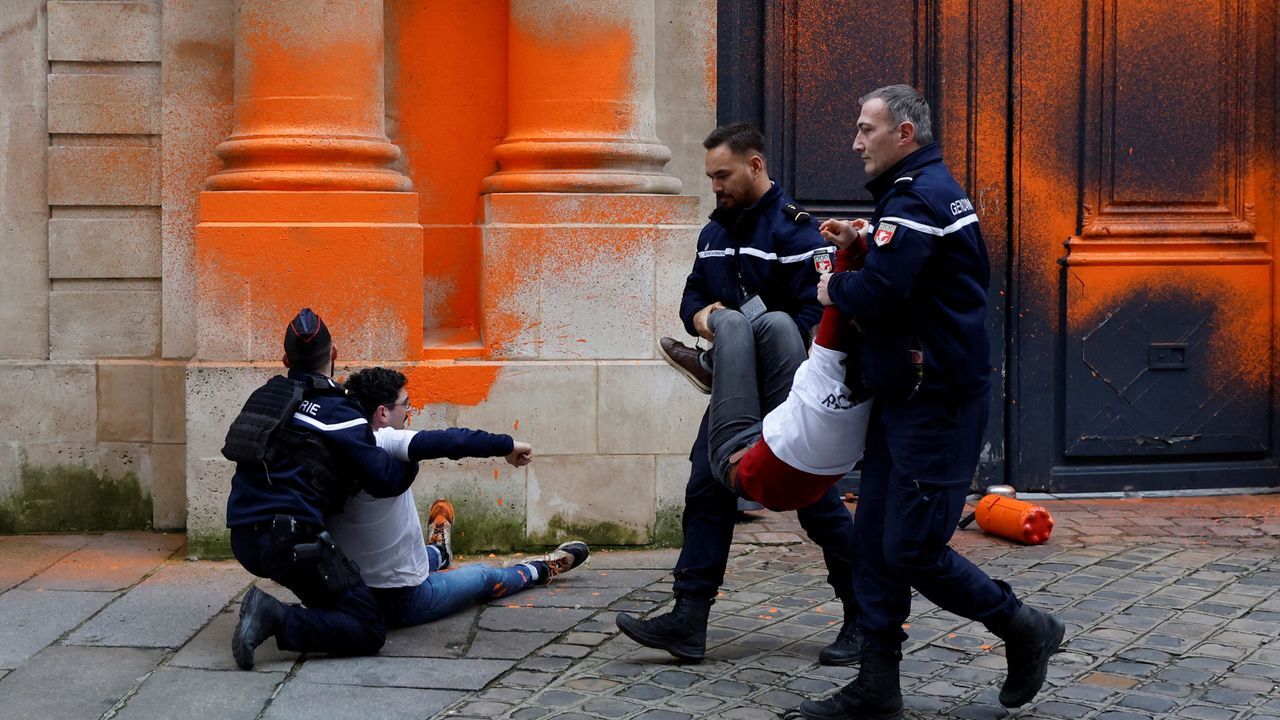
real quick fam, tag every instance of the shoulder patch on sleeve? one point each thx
(884, 233)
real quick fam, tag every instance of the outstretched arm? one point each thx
(453, 443)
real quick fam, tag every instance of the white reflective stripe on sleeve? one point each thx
(785, 259)
(329, 428)
(805, 256)
(929, 229)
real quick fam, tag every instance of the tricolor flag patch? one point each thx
(884, 233)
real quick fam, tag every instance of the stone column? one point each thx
(581, 100)
(309, 110)
(586, 244)
(307, 211)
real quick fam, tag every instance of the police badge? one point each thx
(884, 233)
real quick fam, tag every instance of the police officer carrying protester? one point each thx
(301, 447)
(760, 253)
(921, 301)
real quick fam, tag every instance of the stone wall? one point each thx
(111, 110)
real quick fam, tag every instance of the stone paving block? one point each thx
(168, 608)
(443, 638)
(210, 649)
(33, 620)
(302, 700)
(73, 682)
(180, 694)
(25, 555)
(429, 673)
(531, 619)
(112, 561)
(507, 644)
(573, 591)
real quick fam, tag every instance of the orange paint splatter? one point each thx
(516, 425)
(463, 383)
(495, 474)
(499, 499)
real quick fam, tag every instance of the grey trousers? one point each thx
(752, 366)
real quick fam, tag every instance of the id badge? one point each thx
(753, 307)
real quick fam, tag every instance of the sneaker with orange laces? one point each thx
(561, 560)
(440, 519)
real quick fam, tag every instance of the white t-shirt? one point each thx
(384, 535)
(818, 429)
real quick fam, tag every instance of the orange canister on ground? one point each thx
(1017, 520)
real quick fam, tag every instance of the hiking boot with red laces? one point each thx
(561, 560)
(688, 361)
(441, 530)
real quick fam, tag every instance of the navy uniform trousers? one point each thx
(920, 459)
(349, 622)
(710, 510)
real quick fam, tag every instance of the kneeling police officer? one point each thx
(301, 448)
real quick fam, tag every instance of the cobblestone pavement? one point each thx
(1172, 607)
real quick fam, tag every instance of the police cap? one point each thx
(306, 340)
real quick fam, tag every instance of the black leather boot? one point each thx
(847, 648)
(681, 632)
(874, 695)
(1031, 638)
(260, 618)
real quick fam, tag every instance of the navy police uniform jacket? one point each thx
(759, 250)
(259, 493)
(923, 286)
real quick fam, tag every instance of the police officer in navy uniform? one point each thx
(921, 301)
(301, 448)
(759, 253)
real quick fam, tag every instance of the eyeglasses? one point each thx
(406, 404)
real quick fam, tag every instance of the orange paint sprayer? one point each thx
(1017, 520)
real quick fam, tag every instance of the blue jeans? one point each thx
(444, 593)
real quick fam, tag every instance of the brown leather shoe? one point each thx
(685, 359)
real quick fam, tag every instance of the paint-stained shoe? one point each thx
(440, 520)
(561, 560)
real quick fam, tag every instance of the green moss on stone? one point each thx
(209, 546)
(75, 498)
(667, 528)
(560, 529)
(482, 525)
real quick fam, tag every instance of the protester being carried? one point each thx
(786, 441)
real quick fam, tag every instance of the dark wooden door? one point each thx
(796, 68)
(1122, 155)
(1144, 202)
